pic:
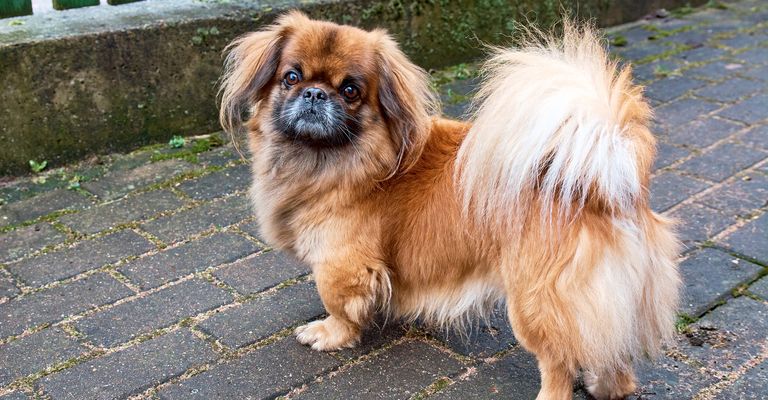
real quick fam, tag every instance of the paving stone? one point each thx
(710, 275)
(723, 161)
(750, 111)
(260, 374)
(256, 274)
(130, 371)
(57, 303)
(157, 310)
(655, 69)
(703, 53)
(379, 334)
(482, 340)
(83, 256)
(413, 365)
(35, 353)
(219, 157)
(8, 287)
(515, 376)
(135, 208)
(729, 336)
(670, 188)
(218, 183)
(681, 111)
(750, 239)
(760, 288)
(640, 52)
(42, 205)
(15, 396)
(729, 90)
(666, 154)
(757, 72)
(716, 70)
(703, 132)
(26, 240)
(252, 228)
(752, 385)
(184, 224)
(262, 317)
(671, 88)
(754, 56)
(195, 256)
(756, 138)
(120, 182)
(698, 223)
(741, 196)
(669, 379)
(744, 40)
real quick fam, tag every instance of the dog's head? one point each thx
(320, 87)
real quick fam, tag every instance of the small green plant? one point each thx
(619, 41)
(16, 22)
(683, 320)
(682, 11)
(176, 142)
(74, 182)
(663, 72)
(37, 167)
(717, 5)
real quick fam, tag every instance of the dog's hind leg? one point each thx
(611, 384)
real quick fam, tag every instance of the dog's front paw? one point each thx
(328, 334)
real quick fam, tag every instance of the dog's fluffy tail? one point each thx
(557, 122)
(560, 145)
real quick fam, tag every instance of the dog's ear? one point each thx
(407, 101)
(251, 63)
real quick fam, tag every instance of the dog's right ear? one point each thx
(250, 65)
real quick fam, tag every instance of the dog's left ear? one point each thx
(250, 66)
(406, 100)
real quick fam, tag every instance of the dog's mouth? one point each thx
(316, 126)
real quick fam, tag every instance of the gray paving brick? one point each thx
(716, 70)
(262, 317)
(671, 88)
(413, 365)
(154, 311)
(123, 181)
(41, 205)
(15, 396)
(754, 56)
(750, 111)
(26, 240)
(666, 154)
(752, 385)
(515, 376)
(756, 137)
(710, 275)
(8, 287)
(703, 53)
(483, 339)
(698, 223)
(750, 239)
(739, 197)
(380, 333)
(130, 371)
(750, 39)
(757, 72)
(670, 188)
(57, 303)
(639, 52)
(195, 256)
(182, 225)
(666, 378)
(35, 353)
(729, 90)
(135, 208)
(218, 157)
(723, 161)
(729, 336)
(84, 256)
(760, 288)
(655, 69)
(252, 228)
(703, 132)
(256, 274)
(260, 374)
(682, 111)
(218, 183)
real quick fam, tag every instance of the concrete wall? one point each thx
(102, 79)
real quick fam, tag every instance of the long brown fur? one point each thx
(411, 217)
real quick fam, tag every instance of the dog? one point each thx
(540, 201)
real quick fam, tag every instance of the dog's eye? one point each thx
(291, 78)
(350, 92)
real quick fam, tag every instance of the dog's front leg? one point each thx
(350, 291)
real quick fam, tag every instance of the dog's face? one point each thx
(314, 87)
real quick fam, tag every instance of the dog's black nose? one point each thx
(315, 94)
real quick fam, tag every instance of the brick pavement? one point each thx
(142, 275)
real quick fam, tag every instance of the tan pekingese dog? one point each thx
(542, 201)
